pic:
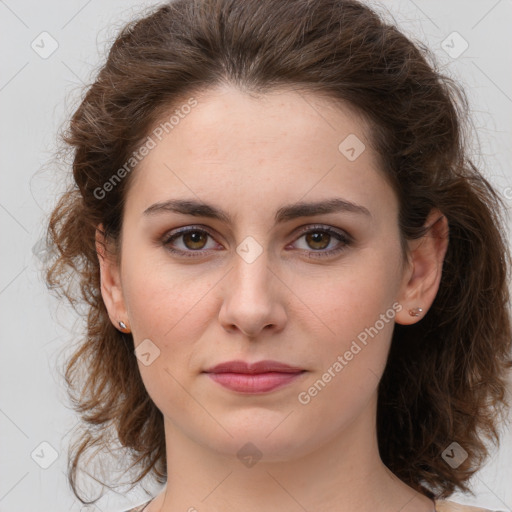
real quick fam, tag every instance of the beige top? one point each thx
(451, 506)
(441, 506)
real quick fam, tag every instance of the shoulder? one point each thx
(139, 508)
(451, 506)
(441, 506)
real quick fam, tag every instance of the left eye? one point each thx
(318, 238)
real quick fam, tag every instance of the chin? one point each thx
(262, 441)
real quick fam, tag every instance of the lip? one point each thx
(259, 377)
(239, 366)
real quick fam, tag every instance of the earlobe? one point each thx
(111, 289)
(423, 275)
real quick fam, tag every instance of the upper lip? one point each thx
(265, 366)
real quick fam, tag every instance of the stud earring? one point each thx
(415, 311)
(123, 327)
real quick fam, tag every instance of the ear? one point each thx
(423, 273)
(111, 289)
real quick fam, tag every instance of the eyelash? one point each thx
(342, 237)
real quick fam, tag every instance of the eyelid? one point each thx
(304, 228)
(323, 227)
(344, 238)
(175, 233)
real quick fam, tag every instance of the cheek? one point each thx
(354, 313)
(167, 308)
(161, 299)
(353, 355)
(343, 302)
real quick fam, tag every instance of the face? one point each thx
(264, 280)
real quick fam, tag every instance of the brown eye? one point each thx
(189, 242)
(318, 239)
(195, 239)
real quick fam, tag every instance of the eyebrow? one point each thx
(283, 214)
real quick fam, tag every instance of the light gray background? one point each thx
(36, 96)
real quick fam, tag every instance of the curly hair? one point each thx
(446, 376)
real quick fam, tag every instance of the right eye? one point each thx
(193, 241)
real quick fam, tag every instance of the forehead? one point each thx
(282, 145)
(227, 119)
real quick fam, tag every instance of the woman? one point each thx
(296, 279)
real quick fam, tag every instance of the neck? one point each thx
(343, 473)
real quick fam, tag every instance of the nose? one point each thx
(253, 298)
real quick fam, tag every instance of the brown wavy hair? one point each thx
(446, 376)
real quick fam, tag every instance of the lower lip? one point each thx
(254, 383)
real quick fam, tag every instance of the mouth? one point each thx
(260, 377)
(254, 383)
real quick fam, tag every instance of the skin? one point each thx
(250, 156)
